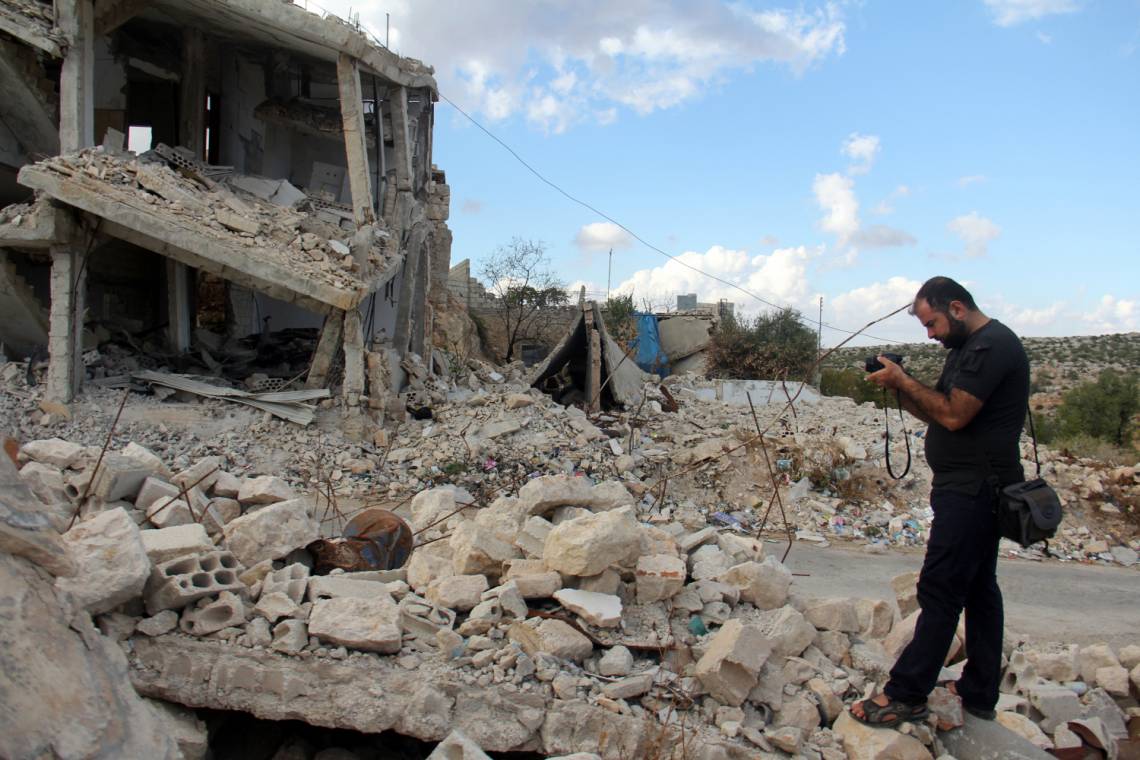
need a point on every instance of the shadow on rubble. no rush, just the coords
(241, 736)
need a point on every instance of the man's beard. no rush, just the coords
(958, 334)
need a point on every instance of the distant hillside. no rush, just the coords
(1057, 363)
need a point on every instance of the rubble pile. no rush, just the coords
(269, 218)
(565, 594)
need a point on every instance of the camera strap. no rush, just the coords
(887, 426)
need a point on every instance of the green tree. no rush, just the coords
(524, 285)
(774, 345)
(1104, 409)
(618, 312)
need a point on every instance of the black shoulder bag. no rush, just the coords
(1029, 511)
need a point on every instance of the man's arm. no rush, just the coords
(909, 404)
(953, 411)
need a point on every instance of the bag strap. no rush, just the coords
(1033, 434)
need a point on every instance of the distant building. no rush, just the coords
(721, 309)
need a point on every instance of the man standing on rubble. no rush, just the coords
(975, 413)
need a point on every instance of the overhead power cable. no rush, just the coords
(638, 237)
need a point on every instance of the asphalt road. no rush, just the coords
(1044, 601)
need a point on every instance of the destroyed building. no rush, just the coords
(283, 179)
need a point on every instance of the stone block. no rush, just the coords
(602, 610)
(458, 746)
(226, 485)
(659, 577)
(290, 636)
(291, 581)
(1058, 704)
(1093, 658)
(531, 538)
(588, 545)
(835, 644)
(56, 452)
(156, 625)
(1130, 656)
(606, 582)
(1134, 677)
(553, 637)
(146, 458)
(427, 564)
(730, 666)
(112, 565)
(617, 661)
(118, 478)
(476, 550)
(457, 592)
(835, 614)
(740, 548)
(336, 586)
(905, 587)
(876, 617)
(787, 630)
(275, 605)
(271, 532)
(46, 482)
(266, 489)
(1026, 729)
(167, 513)
(799, 712)
(178, 582)
(210, 616)
(629, 687)
(708, 562)
(168, 543)
(187, 729)
(431, 505)
(1113, 679)
(202, 474)
(419, 617)
(900, 635)
(828, 700)
(220, 510)
(371, 625)
(862, 742)
(762, 584)
(155, 489)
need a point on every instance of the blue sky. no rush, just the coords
(846, 150)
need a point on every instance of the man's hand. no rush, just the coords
(890, 376)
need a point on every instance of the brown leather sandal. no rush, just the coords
(891, 714)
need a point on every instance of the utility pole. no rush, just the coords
(819, 346)
(387, 28)
(609, 274)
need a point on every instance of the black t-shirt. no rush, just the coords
(992, 367)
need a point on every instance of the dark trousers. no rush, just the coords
(959, 572)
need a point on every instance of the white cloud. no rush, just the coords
(600, 237)
(862, 149)
(976, 231)
(1114, 315)
(561, 61)
(858, 306)
(1013, 12)
(882, 236)
(886, 205)
(779, 277)
(971, 179)
(835, 195)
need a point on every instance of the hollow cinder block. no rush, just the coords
(178, 582)
(291, 581)
(227, 611)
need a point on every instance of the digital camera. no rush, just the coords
(872, 363)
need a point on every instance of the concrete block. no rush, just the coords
(336, 586)
(427, 564)
(112, 566)
(906, 592)
(431, 505)
(1093, 658)
(457, 746)
(219, 511)
(988, 740)
(683, 336)
(147, 459)
(543, 494)
(602, 610)
(476, 550)
(276, 605)
(798, 711)
(730, 666)
(267, 489)
(1058, 704)
(56, 452)
(617, 661)
(168, 543)
(118, 478)
(787, 630)
(709, 562)
(629, 687)
(169, 514)
(1130, 656)
(588, 545)
(178, 582)
(1113, 679)
(1026, 729)
(762, 584)
(659, 577)
(458, 592)
(46, 482)
(226, 485)
(553, 637)
(531, 538)
(271, 532)
(156, 625)
(370, 625)
(290, 636)
(606, 582)
(291, 581)
(862, 742)
(155, 489)
(202, 474)
(210, 616)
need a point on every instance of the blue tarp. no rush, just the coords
(649, 355)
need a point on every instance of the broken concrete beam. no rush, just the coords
(370, 625)
(588, 545)
(683, 336)
(271, 532)
(542, 495)
(336, 586)
(56, 452)
(979, 739)
(237, 222)
(168, 543)
(112, 566)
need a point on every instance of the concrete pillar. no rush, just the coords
(401, 139)
(421, 309)
(356, 149)
(192, 93)
(326, 350)
(77, 76)
(405, 307)
(179, 320)
(65, 322)
(353, 386)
